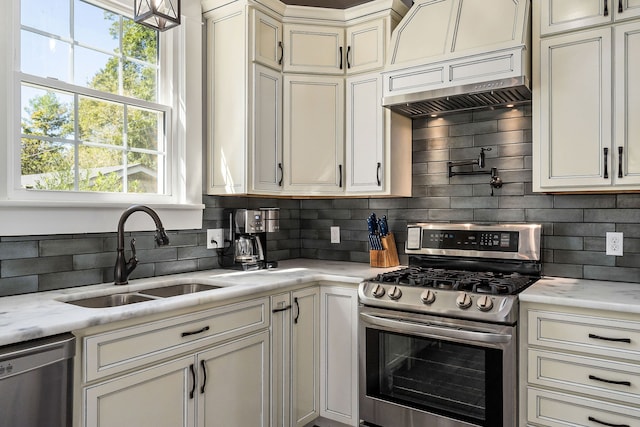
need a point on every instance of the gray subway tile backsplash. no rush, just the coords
(574, 226)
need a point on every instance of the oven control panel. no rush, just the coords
(504, 241)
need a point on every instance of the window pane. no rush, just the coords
(96, 27)
(96, 70)
(139, 80)
(46, 113)
(100, 121)
(139, 42)
(100, 169)
(47, 165)
(44, 56)
(143, 173)
(50, 16)
(143, 128)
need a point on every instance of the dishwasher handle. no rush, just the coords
(27, 356)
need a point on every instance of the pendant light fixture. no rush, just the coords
(157, 14)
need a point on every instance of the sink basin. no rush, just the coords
(175, 290)
(113, 300)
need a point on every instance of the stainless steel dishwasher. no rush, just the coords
(36, 382)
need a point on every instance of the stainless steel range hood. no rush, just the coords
(459, 55)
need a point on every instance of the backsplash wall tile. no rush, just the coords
(574, 226)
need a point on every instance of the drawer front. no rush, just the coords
(592, 335)
(123, 349)
(597, 377)
(550, 409)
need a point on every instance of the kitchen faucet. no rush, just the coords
(124, 268)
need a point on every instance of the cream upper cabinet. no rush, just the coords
(266, 40)
(585, 137)
(313, 134)
(566, 15)
(378, 149)
(366, 44)
(314, 49)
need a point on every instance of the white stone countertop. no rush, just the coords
(593, 294)
(36, 315)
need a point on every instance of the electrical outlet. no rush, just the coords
(614, 244)
(335, 234)
(215, 238)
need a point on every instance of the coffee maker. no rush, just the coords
(248, 230)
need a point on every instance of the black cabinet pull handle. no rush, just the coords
(340, 173)
(595, 420)
(277, 310)
(341, 57)
(348, 52)
(620, 9)
(378, 174)
(620, 153)
(606, 8)
(295, 301)
(193, 378)
(598, 337)
(281, 174)
(204, 376)
(281, 53)
(593, 377)
(606, 163)
(199, 331)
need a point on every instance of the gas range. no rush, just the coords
(468, 271)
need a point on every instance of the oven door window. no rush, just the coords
(455, 380)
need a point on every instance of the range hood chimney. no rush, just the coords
(459, 55)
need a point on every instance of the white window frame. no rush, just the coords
(28, 212)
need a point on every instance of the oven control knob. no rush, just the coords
(463, 300)
(378, 291)
(428, 296)
(484, 303)
(395, 293)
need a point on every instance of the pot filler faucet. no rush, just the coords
(124, 268)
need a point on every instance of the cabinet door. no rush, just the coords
(305, 356)
(365, 46)
(564, 15)
(266, 40)
(280, 360)
(227, 98)
(158, 396)
(627, 9)
(573, 112)
(266, 153)
(365, 134)
(626, 168)
(314, 49)
(233, 388)
(313, 134)
(339, 357)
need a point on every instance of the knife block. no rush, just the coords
(388, 256)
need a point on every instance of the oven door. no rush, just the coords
(422, 370)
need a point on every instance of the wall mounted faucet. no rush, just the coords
(123, 268)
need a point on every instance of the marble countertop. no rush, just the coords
(592, 294)
(37, 315)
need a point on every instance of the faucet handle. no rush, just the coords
(133, 261)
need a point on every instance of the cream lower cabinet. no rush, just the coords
(295, 357)
(579, 367)
(208, 368)
(339, 356)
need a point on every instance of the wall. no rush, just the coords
(574, 226)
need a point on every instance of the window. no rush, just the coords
(89, 86)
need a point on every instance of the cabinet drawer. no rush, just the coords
(594, 335)
(561, 410)
(597, 377)
(119, 350)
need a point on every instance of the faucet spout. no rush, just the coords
(123, 267)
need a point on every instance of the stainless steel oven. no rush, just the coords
(438, 339)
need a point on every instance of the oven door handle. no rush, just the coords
(442, 331)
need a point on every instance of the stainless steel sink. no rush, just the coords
(175, 290)
(113, 300)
